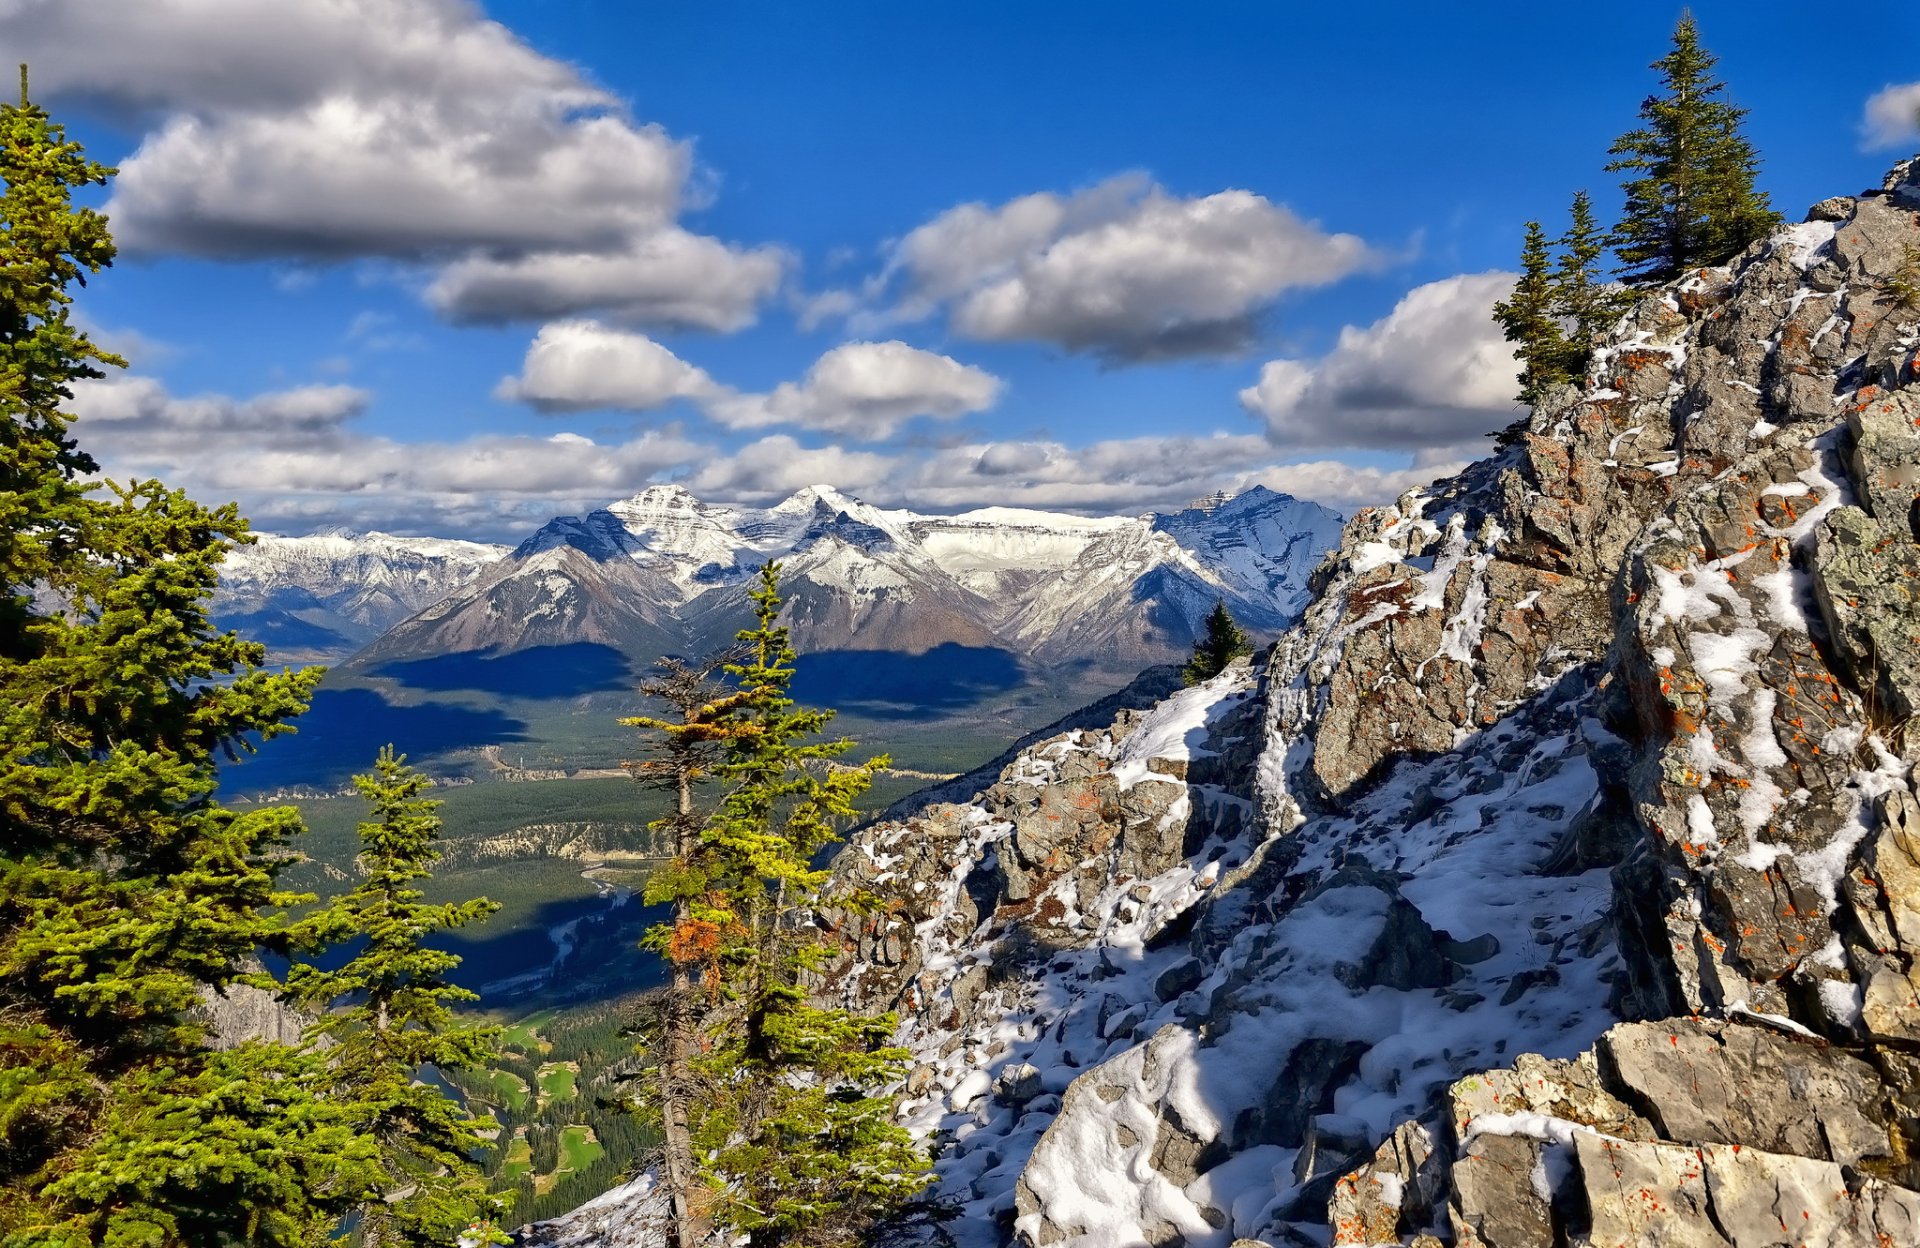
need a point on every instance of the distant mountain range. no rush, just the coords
(665, 573)
(321, 597)
(893, 610)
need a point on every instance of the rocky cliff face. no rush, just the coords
(1555, 881)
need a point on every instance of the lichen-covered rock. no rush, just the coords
(1660, 1195)
(1397, 1194)
(1704, 1082)
(1867, 580)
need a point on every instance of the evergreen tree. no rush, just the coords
(1531, 321)
(1585, 305)
(684, 750)
(1691, 199)
(126, 891)
(387, 1015)
(1222, 643)
(795, 1134)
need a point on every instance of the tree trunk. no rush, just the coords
(675, 1065)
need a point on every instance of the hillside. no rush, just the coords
(1553, 881)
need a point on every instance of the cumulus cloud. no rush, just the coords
(294, 459)
(865, 390)
(1435, 371)
(859, 390)
(1128, 474)
(1132, 475)
(1892, 116)
(667, 279)
(410, 130)
(578, 365)
(137, 415)
(777, 465)
(1123, 270)
(1348, 487)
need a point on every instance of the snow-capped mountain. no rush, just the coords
(664, 572)
(325, 595)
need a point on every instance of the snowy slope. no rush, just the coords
(324, 595)
(666, 570)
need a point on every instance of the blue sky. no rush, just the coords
(437, 267)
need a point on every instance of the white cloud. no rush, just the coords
(412, 130)
(137, 413)
(1123, 474)
(1132, 475)
(1892, 116)
(1348, 487)
(578, 365)
(1123, 270)
(668, 279)
(859, 390)
(293, 460)
(865, 390)
(1435, 371)
(777, 465)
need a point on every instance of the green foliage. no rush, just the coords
(1531, 322)
(126, 891)
(1222, 643)
(1690, 199)
(1559, 306)
(387, 1015)
(795, 1137)
(1587, 306)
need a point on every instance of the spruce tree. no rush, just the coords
(127, 892)
(1585, 305)
(1531, 321)
(386, 1017)
(1222, 643)
(795, 1132)
(1691, 199)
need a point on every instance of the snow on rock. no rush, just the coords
(323, 595)
(1556, 879)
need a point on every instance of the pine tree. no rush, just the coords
(1222, 643)
(126, 891)
(684, 751)
(795, 1134)
(1585, 305)
(1691, 200)
(1531, 322)
(387, 1015)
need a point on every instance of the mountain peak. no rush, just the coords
(809, 497)
(667, 495)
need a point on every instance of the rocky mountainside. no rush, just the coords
(1554, 881)
(664, 572)
(323, 596)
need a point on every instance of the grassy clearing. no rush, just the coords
(557, 1081)
(519, 1159)
(499, 1088)
(525, 1034)
(579, 1148)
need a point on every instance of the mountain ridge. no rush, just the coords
(665, 572)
